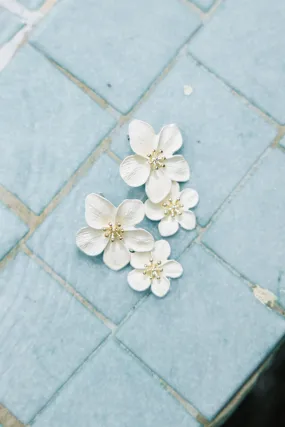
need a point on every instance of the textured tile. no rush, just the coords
(45, 335)
(9, 25)
(48, 127)
(244, 44)
(112, 389)
(222, 136)
(250, 232)
(32, 4)
(203, 4)
(282, 142)
(54, 241)
(12, 229)
(128, 53)
(200, 337)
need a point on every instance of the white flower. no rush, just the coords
(112, 230)
(154, 163)
(152, 269)
(174, 210)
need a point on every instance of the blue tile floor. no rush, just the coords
(78, 346)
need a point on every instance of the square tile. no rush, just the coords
(12, 229)
(48, 128)
(199, 338)
(45, 335)
(244, 44)
(250, 232)
(112, 389)
(54, 241)
(122, 46)
(9, 25)
(222, 136)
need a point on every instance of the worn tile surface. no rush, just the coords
(12, 229)
(121, 47)
(282, 142)
(45, 335)
(244, 44)
(203, 4)
(222, 136)
(48, 127)
(9, 25)
(54, 242)
(32, 4)
(112, 389)
(249, 234)
(200, 338)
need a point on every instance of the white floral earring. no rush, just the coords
(174, 210)
(153, 269)
(154, 162)
(112, 230)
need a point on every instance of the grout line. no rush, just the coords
(8, 419)
(213, 8)
(194, 8)
(18, 207)
(86, 89)
(87, 304)
(250, 103)
(73, 373)
(190, 409)
(114, 156)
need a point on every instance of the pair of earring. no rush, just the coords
(112, 230)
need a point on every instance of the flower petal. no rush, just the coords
(130, 213)
(138, 281)
(98, 211)
(177, 168)
(187, 220)
(135, 170)
(143, 139)
(172, 269)
(139, 259)
(161, 251)
(138, 240)
(160, 287)
(92, 242)
(116, 255)
(175, 190)
(170, 140)
(168, 226)
(158, 186)
(154, 211)
(189, 198)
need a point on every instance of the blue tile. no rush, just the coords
(12, 229)
(9, 25)
(45, 335)
(112, 389)
(48, 128)
(32, 4)
(116, 52)
(250, 232)
(244, 44)
(282, 142)
(200, 337)
(203, 4)
(54, 241)
(222, 136)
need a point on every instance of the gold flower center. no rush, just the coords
(153, 269)
(156, 159)
(114, 232)
(173, 208)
